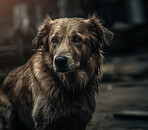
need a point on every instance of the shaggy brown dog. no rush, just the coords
(56, 88)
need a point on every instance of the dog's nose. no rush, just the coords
(60, 61)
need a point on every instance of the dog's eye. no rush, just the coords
(76, 39)
(54, 40)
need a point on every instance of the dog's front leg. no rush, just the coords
(5, 112)
(39, 125)
(37, 115)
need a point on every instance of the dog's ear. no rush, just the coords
(40, 42)
(100, 36)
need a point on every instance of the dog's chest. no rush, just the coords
(65, 109)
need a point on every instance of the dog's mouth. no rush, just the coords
(66, 70)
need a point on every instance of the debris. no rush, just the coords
(129, 114)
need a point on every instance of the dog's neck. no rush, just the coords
(83, 78)
(74, 80)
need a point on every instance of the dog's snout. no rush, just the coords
(60, 61)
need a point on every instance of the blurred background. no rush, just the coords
(123, 100)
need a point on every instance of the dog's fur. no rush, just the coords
(43, 95)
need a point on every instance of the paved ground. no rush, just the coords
(125, 88)
(117, 98)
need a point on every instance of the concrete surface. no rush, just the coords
(124, 88)
(117, 98)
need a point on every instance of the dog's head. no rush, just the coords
(70, 42)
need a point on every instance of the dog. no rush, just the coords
(55, 89)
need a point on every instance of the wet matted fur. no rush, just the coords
(56, 87)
